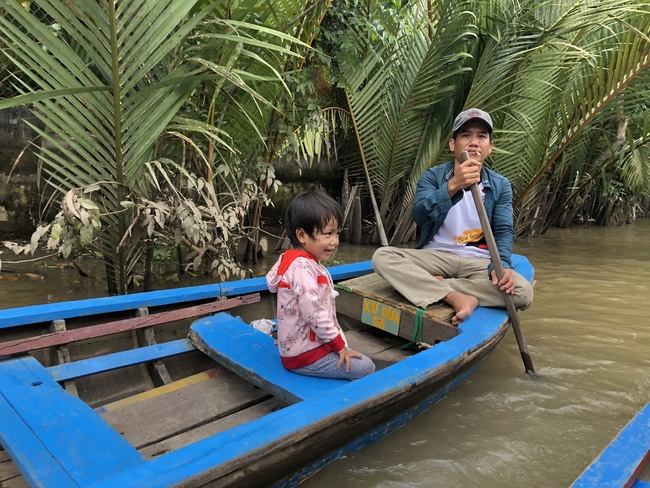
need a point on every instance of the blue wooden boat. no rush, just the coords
(625, 461)
(215, 407)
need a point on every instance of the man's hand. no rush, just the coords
(507, 283)
(465, 175)
(346, 355)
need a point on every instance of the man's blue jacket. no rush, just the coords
(432, 203)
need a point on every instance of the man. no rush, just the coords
(452, 261)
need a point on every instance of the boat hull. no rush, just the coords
(285, 446)
(289, 445)
(625, 462)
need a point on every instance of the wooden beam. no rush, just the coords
(61, 355)
(355, 293)
(116, 360)
(147, 337)
(68, 336)
(159, 414)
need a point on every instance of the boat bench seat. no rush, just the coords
(254, 356)
(54, 438)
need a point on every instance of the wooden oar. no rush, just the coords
(498, 267)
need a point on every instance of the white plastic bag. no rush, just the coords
(263, 325)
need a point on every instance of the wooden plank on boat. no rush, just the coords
(250, 285)
(68, 336)
(169, 410)
(62, 442)
(254, 356)
(373, 301)
(147, 337)
(17, 482)
(215, 427)
(34, 314)
(382, 353)
(86, 367)
(10, 477)
(366, 343)
(61, 355)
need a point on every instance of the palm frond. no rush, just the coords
(398, 106)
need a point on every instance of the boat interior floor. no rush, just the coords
(175, 415)
(10, 477)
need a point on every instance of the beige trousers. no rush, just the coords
(411, 272)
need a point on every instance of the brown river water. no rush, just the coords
(588, 334)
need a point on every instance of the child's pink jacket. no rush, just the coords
(307, 325)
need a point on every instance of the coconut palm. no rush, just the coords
(109, 83)
(101, 87)
(294, 107)
(583, 114)
(550, 74)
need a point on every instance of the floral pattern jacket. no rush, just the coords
(307, 324)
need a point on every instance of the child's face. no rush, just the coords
(325, 242)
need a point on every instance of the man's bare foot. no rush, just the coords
(463, 305)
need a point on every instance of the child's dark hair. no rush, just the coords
(311, 211)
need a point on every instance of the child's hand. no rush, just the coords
(346, 355)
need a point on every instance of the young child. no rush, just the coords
(309, 336)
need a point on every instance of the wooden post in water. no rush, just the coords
(355, 234)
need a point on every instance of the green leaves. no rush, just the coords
(403, 102)
(103, 87)
(122, 84)
(554, 76)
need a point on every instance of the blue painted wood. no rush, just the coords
(522, 266)
(617, 465)
(641, 484)
(241, 287)
(185, 463)
(253, 355)
(85, 367)
(54, 438)
(251, 285)
(94, 306)
(351, 270)
(37, 465)
(380, 432)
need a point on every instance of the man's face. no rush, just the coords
(473, 137)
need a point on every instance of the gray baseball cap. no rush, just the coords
(472, 114)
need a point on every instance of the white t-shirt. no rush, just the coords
(461, 228)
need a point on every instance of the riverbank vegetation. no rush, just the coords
(164, 120)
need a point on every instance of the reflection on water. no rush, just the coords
(588, 334)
